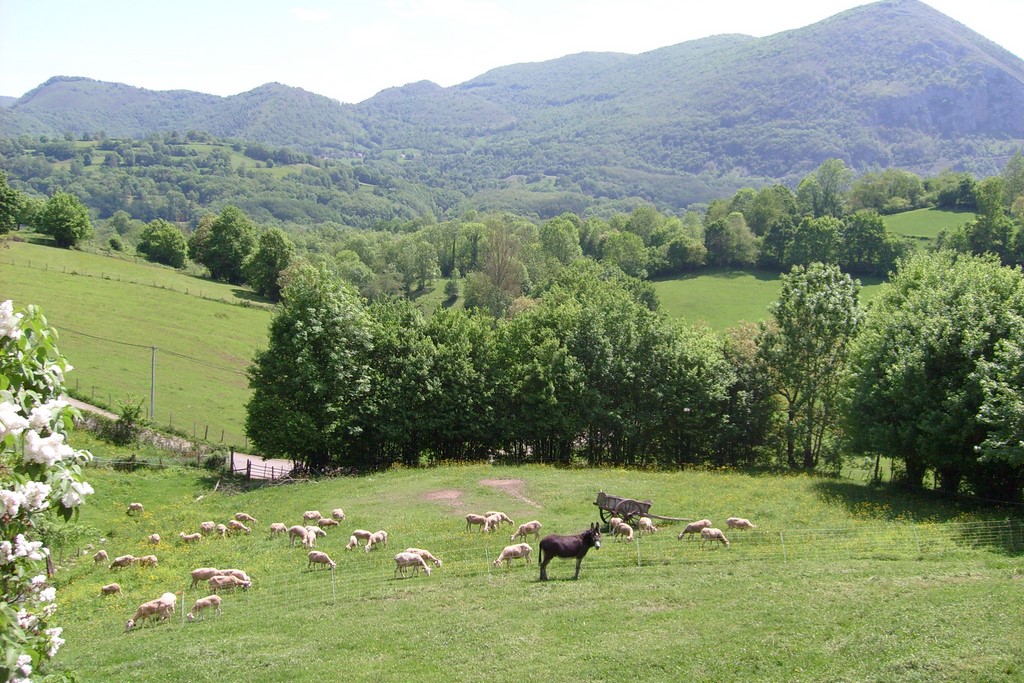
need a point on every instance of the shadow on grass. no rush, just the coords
(893, 503)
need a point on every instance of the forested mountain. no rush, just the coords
(889, 84)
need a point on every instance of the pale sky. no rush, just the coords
(350, 50)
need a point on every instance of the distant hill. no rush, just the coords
(893, 83)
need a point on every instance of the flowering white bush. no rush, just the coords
(40, 478)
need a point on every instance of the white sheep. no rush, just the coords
(739, 523)
(491, 523)
(237, 573)
(135, 507)
(624, 532)
(110, 589)
(154, 539)
(502, 515)
(101, 556)
(712, 534)
(203, 574)
(311, 515)
(376, 538)
(478, 520)
(338, 514)
(122, 561)
(525, 530)
(511, 552)
(614, 522)
(352, 543)
(425, 554)
(244, 517)
(148, 610)
(218, 583)
(694, 528)
(404, 560)
(189, 538)
(646, 524)
(316, 531)
(235, 525)
(299, 532)
(222, 530)
(278, 528)
(317, 557)
(146, 561)
(207, 528)
(362, 534)
(326, 521)
(204, 603)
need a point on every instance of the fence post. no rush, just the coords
(232, 460)
(248, 469)
(783, 541)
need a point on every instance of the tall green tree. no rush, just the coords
(805, 346)
(231, 239)
(10, 205)
(162, 242)
(823, 191)
(274, 254)
(66, 219)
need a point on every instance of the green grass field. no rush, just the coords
(924, 225)
(839, 582)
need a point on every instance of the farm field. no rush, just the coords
(839, 582)
(924, 225)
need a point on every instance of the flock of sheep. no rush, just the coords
(314, 525)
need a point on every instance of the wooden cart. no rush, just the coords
(627, 508)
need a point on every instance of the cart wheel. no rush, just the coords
(605, 515)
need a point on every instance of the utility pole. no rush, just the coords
(152, 384)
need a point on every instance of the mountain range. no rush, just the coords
(889, 84)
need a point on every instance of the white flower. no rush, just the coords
(25, 620)
(38, 580)
(33, 550)
(12, 502)
(75, 496)
(11, 420)
(55, 640)
(24, 664)
(10, 322)
(48, 594)
(46, 450)
(36, 495)
(5, 552)
(42, 416)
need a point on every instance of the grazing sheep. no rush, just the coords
(525, 530)
(134, 507)
(218, 583)
(222, 530)
(317, 557)
(362, 534)
(479, 520)
(510, 552)
(278, 528)
(204, 603)
(101, 556)
(146, 561)
(110, 589)
(326, 521)
(235, 525)
(646, 524)
(299, 532)
(203, 574)
(352, 543)
(614, 522)
(739, 523)
(122, 561)
(154, 539)
(403, 560)
(207, 528)
(624, 532)
(315, 531)
(491, 523)
(243, 517)
(502, 515)
(169, 599)
(189, 538)
(712, 534)
(237, 573)
(694, 528)
(148, 610)
(376, 538)
(338, 514)
(311, 515)
(425, 554)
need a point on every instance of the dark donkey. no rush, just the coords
(568, 546)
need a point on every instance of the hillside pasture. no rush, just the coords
(839, 582)
(924, 225)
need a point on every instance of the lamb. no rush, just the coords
(362, 534)
(146, 561)
(491, 523)
(100, 556)
(352, 543)
(299, 532)
(614, 522)
(237, 573)
(646, 524)
(218, 583)
(311, 515)
(203, 574)
(135, 507)
(317, 557)
(525, 530)
(169, 599)
(479, 520)
(222, 530)
(202, 604)
(315, 531)
(503, 517)
(243, 517)
(190, 538)
(326, 521)
(376, 538)
(278, 528)
(153, 608)
(122, 561)
(425, 554)
(510, 552)
(207, 528)
(694, 528)
(739, 523)
(624, 532)
(403, 560)
(110, 589)
(712, 534)
(235, 525)
(154, 539)
(338, 514)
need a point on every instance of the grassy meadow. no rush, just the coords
(839, 582)
(924, 225)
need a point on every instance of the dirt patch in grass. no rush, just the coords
(446, 496)
(513, 487)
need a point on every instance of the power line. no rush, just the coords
(200, 361)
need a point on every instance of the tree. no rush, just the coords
(730, 242)
(163, 243)
(866, 247)
(805, 347)
(626, 250)
(310, 386)
(823, 191)
(930, 342)
(65, 219)
(10, 205)
(271, 258)
(232, 238)
(560, 239)
(814, 240)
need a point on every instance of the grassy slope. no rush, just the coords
(830, 609)
(924, 225)
(87, 296)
